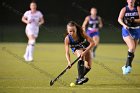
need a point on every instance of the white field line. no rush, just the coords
(70, 88)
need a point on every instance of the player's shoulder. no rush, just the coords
(98, 17)
(28, 11)
(39, 12)
(66, 38)
(87, 17)
(124, 8)
(138, 7)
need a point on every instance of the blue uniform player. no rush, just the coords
(91, 25)
(129, 18)
(80, 44)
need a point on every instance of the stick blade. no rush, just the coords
(51, 83)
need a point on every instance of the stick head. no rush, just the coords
(51, 83)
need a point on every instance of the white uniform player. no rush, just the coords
(33, 27)
(33, 18)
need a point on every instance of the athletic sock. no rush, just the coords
(94, 49)
(129, 59)
(27, 51)
(31, 50)
(80, 67)
(86, 70)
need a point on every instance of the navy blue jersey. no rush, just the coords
(93, 23)
(80, 43)
(131, 14)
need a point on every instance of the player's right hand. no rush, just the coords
(126, 27)
(29, 22)
(69, 65)
(130, 20)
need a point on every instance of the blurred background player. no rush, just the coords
(33, 18)
(92, 24)
(130, 17)
(81, 44)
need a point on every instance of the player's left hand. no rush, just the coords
(69, 65)
(130, 20)
(126, 27)
(83, 54)
(39, 24)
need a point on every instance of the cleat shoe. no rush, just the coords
(85, 79)
(25, 58)
(124, 70)
(79, 82)
(30, 59)
(128, 69)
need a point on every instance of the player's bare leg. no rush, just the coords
(131, 43)
(96, 39)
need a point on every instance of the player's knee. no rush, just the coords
(97, 43)
(32, 42)
(87, 64)
(131, 49)
(131, 54)
(80, 63)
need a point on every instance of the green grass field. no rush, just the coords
(17, 76)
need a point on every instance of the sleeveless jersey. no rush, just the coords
(80, 43)
(131, 14)
(93, 23)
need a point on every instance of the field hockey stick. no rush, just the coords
(52, 81)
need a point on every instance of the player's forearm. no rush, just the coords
(137, 20)
(100, 26)
(90, 46)
(41, 22)
(25, 21)
(101, 23)
(68, 57)
(84, 27)
(121, 22)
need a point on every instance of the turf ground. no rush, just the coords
(17, 76)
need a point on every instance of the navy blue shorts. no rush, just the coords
(135, 33)
(92, 34)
